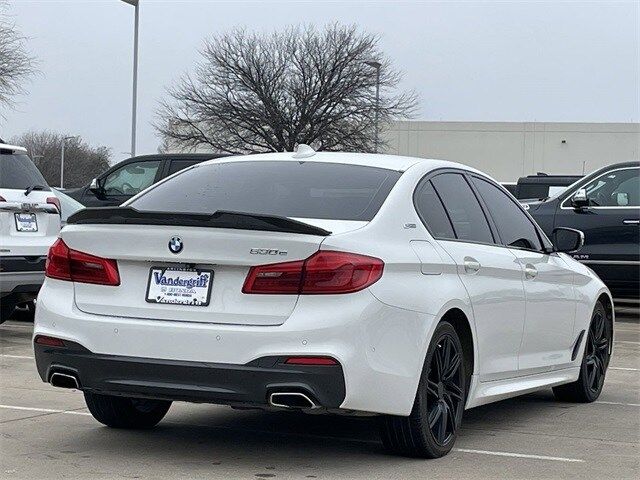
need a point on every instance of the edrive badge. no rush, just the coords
(175, 245)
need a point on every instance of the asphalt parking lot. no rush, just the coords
(47, 432)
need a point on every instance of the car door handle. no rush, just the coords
(530, 272)
(631, 222)
(471, 265)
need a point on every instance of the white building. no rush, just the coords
(509, 150)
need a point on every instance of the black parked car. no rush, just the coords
(130, 177)
(539, 186)
(606, 207)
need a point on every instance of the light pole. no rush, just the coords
(135, 4)
(377, 66)
(64, 141)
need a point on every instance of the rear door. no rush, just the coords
(611, 224)
(491, 274)
(548, 284)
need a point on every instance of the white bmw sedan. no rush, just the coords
(345, 283)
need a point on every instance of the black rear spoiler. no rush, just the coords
(219, 219)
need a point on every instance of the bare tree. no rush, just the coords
(82, 162)
(257, 92)
(16, 64)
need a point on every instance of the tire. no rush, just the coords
(125, 412)
(5, 312)
(440, 398)
(594, 362)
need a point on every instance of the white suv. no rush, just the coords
(29, 224)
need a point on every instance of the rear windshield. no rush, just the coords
(288, 189)
(18, 171)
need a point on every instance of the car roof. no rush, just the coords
(548, 179)
(389, 162)
(15, 148)
(177, 156)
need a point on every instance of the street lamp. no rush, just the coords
(135, 5)
(377, 65)
(64, 141)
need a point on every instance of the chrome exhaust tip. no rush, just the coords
(64, 380)
(291, 400)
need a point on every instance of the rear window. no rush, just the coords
(288, 189)
(18, 171)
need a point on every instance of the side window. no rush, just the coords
(620, 188)
(515, 228)
(467, 217)
(177, 165)
(131, 179)
(432, 212)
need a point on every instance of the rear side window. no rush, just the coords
(515, 228)
(432, 211)
(177, 165)
(283, 188)
(467, 217)
(18, 171)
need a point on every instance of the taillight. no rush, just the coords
(275, 278)
(324, 272)
(55, 201)
(64, 263)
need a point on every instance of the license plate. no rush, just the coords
(179, 286)
(26, 222)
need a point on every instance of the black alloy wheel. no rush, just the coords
(445, 390)
(431, 429)
(597, 353)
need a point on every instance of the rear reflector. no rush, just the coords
(64, 263)
(324, 272)
(49, 341)
(311, 361)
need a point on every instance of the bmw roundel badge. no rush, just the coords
(175, 245)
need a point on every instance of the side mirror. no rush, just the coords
(579, 199)
(567, 240)
(96, 188)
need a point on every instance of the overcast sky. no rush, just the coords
(482, 61)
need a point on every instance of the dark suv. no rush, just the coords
(130, 177)
(539, 186)
(605, 205)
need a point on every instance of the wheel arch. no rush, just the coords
(461, 324)
(607, 301)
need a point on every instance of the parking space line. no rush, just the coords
(626, 369)
(43, 410)
(518, 455)
(327, 437)
(619, 403)
(16, 356)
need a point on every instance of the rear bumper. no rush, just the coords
(246, 385)
(380, 348)
(21, 276)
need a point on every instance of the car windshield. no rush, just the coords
(17, 171)
(283, 188)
